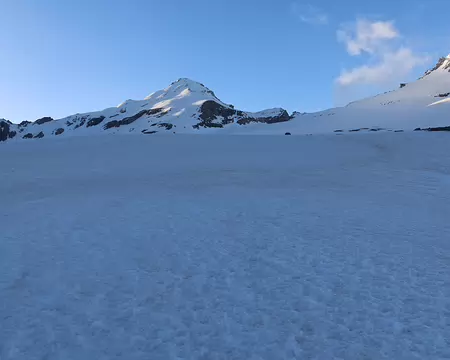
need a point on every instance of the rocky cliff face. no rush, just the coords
(6, 131)
(214, 114)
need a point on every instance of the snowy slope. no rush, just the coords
(223, 247)
(432, 87)
(187, 106)
(424, 103)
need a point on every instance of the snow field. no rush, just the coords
(222, 247)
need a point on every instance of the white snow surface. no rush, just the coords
(226, 247)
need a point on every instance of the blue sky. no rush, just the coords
(62, 57)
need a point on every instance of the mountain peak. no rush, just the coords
(186, 82)
(446, 63)
(442, 64)
(191, 85)
(180, 88)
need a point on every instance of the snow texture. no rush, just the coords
(226, 247)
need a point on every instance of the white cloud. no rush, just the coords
(309, 14)
(391, 67)
(388, 61)
(366, 36)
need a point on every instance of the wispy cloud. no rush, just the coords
(366, 36)
(309, 14)
(388, 60)
(392, 66)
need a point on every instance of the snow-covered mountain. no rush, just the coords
(187, 106)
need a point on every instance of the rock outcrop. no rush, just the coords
(215, 115)
(95, 121)
(132, 119)
(271, 119)
(43, 120)
(4, 130)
